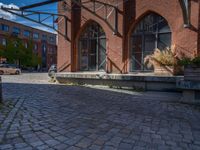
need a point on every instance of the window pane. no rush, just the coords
(35, 35)
(84, 54)
(16, 30)
(150, 42)
(44, 37)
(4, 27)
(52, 39)
(35, 46)
(26, 45)
(163, 26)
(4, 42)
(26, 33)
(164, 40)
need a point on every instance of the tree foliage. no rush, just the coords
(16, 52)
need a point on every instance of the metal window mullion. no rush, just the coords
(156, 42)
(143, 47)
(97, 51)
(88, 53)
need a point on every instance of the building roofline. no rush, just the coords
(27, 26)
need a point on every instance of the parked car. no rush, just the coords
(9, 69)
(52, 70)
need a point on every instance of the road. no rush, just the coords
(41, 115)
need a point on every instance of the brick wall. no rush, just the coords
(118, 46)
(22, 28)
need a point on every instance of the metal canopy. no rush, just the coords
(96, 6)
(24, 10)
(40, 18)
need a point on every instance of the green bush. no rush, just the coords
(188, 61)
(196, 61)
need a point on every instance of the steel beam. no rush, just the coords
(22, 13)
(39, 4)
(80, 4)
(105, 19)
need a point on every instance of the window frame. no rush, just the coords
(3, 27)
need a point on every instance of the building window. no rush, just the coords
(15, 43)
(35, 47)
(92, 48)
(50, 50)
(44, 37)
(27, 33)
(4, 42)
(150, 33)
(35, 35)
(26, 45)
(4, 27)
(44, 48)
(16, 30)
(51, 39)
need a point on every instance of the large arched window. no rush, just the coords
(151, 32)
(92, 48)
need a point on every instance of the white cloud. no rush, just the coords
(7, 15)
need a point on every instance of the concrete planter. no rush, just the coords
(192, 73)
(167, 70)
(1, 97)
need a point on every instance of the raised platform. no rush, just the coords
(191, 91)
(137, 81)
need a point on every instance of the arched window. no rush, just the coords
(92, 48)
(151, 32)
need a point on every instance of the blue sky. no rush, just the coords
(48, 8)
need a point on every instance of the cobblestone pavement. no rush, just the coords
(51, 116)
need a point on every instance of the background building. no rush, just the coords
(44, 43)
(116, 37)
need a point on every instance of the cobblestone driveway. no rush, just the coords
(49, 116)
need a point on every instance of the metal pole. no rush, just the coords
(1, 97)
(116, 22)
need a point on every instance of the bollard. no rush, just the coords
(1, 97)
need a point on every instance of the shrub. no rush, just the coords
(196, 61)
(188, 61)
(166, 57)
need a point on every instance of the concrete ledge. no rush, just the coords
(191, 91)
(140, 81)
(188, 85)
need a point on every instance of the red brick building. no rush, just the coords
(44, 43)
(99, 39)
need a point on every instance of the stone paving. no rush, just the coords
(52, 116)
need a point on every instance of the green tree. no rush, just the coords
(16, 52)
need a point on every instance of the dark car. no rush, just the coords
(52, 70)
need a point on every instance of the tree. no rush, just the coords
(16, 52)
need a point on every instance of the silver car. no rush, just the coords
(9, 69)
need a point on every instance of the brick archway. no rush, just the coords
(150, 31)
(91, 47)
